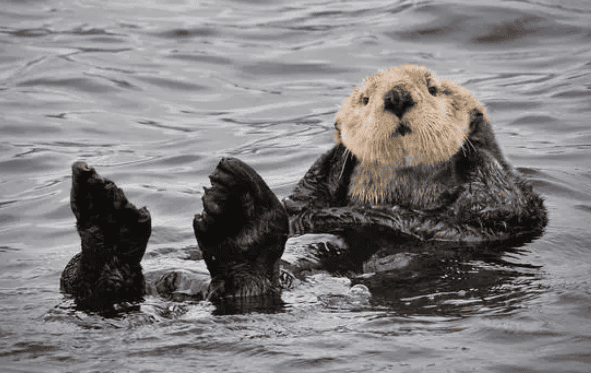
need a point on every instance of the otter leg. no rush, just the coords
(241, 231)
(114, 235)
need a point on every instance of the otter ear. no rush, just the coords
(477, 121)
(482, 137)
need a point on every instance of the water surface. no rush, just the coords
(152, 94)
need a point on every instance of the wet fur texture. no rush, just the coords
(114, 235)
(241, 231)
(442, 177)
(415, 159)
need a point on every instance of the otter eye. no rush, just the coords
(433, 91)
(365, 100)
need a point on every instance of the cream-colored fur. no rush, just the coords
(439, 123)
(439, 127)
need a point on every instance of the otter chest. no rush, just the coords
(413, 187)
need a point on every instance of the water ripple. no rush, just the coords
(152, 94)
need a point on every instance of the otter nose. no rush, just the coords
(398, 101)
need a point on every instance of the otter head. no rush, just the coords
(406, 117)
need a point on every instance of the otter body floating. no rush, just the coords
(415, 158)
(415, 153)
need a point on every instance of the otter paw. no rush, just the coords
(237, 195)
(114, 235)
(107, 222)
(241, 231)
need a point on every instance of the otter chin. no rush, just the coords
(415, 160)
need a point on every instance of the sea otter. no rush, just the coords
(415, 159)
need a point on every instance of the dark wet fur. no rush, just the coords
(241, 232)
(114, 235)
(481, 198)
(243, 227)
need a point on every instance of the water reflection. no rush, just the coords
(157, 92)
(409, 277)
(267, 304)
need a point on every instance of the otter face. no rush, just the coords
(405, 117)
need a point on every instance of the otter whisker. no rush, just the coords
(346, 156)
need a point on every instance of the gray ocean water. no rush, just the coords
(153, 94)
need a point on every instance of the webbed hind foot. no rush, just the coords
(241, 231)
(114, 236)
